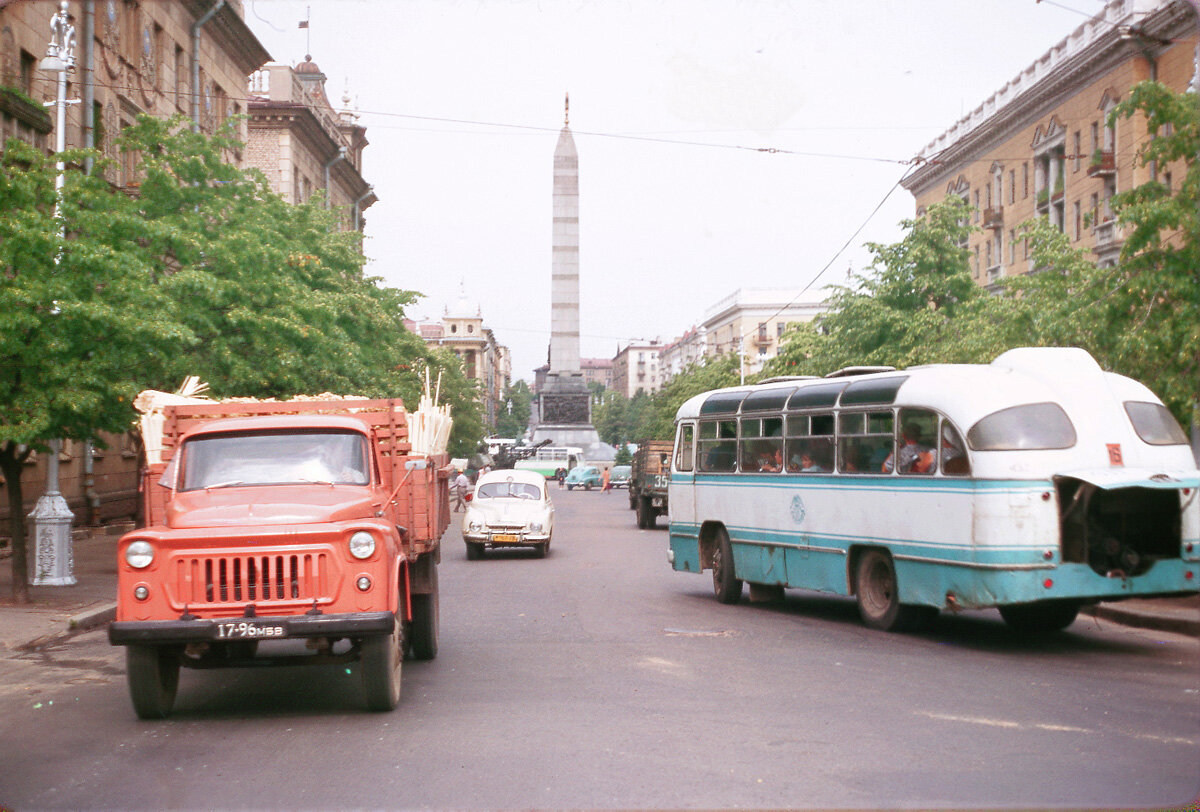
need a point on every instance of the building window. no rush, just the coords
(975, 216)
(1078, 220)
(28, 69)
(1078, 148)
(1012, 186)
(1025, 180)
(1095, 136)
(1012, 247)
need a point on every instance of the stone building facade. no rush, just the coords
(485, 361)
(751, 321)
(1041, 145)
(303, 145)
(635, 368)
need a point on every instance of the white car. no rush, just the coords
(510, 508)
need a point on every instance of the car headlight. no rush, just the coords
(535, 527)
(139, 554)
(362, 545)
(474, 527)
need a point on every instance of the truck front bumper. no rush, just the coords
(234, 629)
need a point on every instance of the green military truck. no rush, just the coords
(648, 482)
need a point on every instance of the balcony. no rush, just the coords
(1104, 164)
(993, 217)
(1108, 238)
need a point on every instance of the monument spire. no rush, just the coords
(567, 110)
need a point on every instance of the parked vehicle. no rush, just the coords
(584, 476)
(620, 475)
(267, 521)
(1036, 484)
(649, 476)
(511, 508)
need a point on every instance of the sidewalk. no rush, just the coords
(59, 610)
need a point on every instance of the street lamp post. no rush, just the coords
(53, 561)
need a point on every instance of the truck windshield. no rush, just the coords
(274, 458)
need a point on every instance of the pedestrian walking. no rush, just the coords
(461, 486)
(605, 481)
(561, 475)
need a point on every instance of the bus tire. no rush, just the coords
(878, 596)
(726, 585)
(426, 622)
(153, 676)
(382, 658)
(1040, 617)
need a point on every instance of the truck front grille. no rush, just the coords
(236, 579)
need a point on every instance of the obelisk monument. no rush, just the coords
(563, 414)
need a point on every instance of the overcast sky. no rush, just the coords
(671, 103)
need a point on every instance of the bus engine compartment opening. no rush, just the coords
(1119, 532)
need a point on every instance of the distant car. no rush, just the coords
(510, 508)
(583, 476)
(620, 475)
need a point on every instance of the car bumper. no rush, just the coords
(506, 539)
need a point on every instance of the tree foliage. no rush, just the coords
(514, 422)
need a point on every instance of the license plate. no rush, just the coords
(502, 537)
(248, 630)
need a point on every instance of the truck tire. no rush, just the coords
(153, 676)
(426, 621)
(633, 498)
(382, 657)
(645, 513)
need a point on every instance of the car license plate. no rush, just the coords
(505, 537)
(248, 630)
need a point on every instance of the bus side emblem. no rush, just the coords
(797, 509)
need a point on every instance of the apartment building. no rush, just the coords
(752, 321)
(635, 368)
(1042, 146)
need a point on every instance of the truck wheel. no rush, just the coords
(425, 622)
(633, 499)
(645, 513)
(153, 675)
(474, 551)
(726, 586)
(381, 661)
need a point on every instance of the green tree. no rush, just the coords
(1154, 308)
(711, 373)
(610, 416)
(80, 328)
(515, 421)
(624, 455)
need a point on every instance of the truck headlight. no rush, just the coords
(139, 554)
(362, 545)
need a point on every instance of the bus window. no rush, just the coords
(954, 452)
(915, 450)
(717, 445)
(762, 444)
(683, 446)
(1035, 427)
(810, 443)
(864, 441)
(1154, 423)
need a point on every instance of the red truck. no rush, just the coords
(304, 521)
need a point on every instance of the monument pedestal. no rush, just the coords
(564, 412)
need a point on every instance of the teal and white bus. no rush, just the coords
(548, 459)
(1036, 484)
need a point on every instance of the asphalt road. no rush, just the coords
(599, 678)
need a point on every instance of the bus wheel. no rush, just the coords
(726, 586)
(879, 597)
(382, 658)
(1042, 617)
(153, 675)
(425, 622)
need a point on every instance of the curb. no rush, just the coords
(1145, 620)
(90, 619)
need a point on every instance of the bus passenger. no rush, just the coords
(915, 457)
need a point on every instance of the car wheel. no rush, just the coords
(474, 551)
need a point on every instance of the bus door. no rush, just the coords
(681, 496)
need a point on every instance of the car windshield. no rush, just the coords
(508, 490)
(274, 458)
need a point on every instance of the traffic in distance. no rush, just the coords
(1036, 484)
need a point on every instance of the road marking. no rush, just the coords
(698, 632)
(1011, 725)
